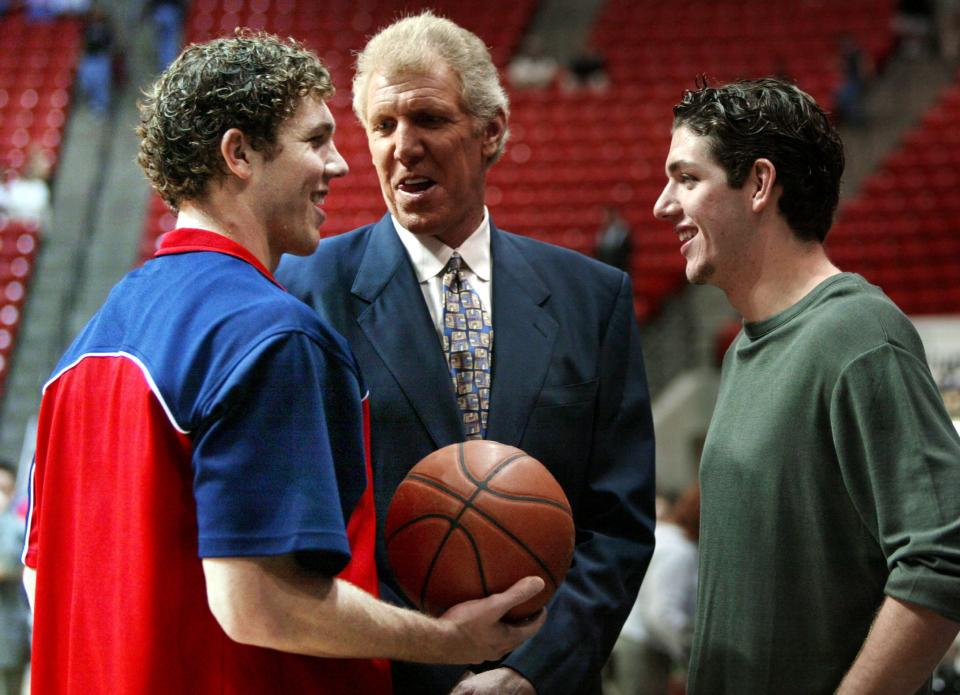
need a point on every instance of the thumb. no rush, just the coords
(523, 590)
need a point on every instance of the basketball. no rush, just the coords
(471, 519)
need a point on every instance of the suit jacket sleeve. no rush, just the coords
(614, 513)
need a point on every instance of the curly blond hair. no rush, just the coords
(252, 81)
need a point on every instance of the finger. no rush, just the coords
(523, 590)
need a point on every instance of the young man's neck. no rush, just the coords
(207, 216)
(788, 271)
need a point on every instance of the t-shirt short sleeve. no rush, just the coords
(265, 479)
(900, 458)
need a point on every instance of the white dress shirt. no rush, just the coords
(429, 257)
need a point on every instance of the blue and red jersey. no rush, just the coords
(202, 412)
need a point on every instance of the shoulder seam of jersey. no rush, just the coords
(143, 368)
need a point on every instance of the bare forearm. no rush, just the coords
(272, 602)
(351, 623)
(905, 644)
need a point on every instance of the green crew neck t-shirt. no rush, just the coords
(830, 478)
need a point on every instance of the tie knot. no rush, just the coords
(453, 271)
(454, 265)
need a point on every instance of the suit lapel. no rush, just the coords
(523, 338)
(398, 326)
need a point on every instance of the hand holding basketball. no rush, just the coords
(479, 625)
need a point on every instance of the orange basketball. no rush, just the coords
(471, 519)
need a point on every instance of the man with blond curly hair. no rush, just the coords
(201, 514)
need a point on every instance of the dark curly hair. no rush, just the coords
(252, 81)
(772, 119)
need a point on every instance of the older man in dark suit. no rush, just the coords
(466, 331)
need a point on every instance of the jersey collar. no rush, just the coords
(188, 240)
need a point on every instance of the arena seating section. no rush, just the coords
(37, 67)
(902, 232)
(572, 153)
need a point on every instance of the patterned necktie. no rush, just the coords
(468, 345)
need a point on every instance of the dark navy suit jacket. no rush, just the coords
(568, 388)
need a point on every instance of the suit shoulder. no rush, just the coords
(551, 257)
(345, 243)
(337, 245)
(335, 256)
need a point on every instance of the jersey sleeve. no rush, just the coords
(900, 459)
(265, 474)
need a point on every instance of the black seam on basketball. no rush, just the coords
(503, 495)
(436, 484)
(492, 472)
(503, 464)
(482, 484)
(476, 555)
(523, 546)
(455, 523)
(433, 562)
(411, 522)
(454, 526)
(537, 500)
(461, 461)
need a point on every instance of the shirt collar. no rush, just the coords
(429, 255)
(187, 240)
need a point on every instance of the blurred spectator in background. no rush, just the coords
(947, 376)
(532, 68)
(913, 26)
(167, 19)
(14, 611)
(655, 641)
(613, 240)
(27, 196)
(946, 679)
(40, 10)
(948, 29)
(587, 70)
(6, 176)
(854, 72)
(95, 71)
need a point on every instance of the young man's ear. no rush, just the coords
(762, 178)
(235, 150)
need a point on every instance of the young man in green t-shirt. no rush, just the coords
(830, 538)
